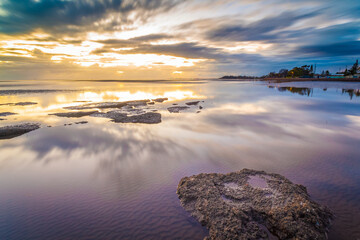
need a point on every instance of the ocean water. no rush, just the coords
(106, 180)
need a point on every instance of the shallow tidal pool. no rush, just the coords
(106, 180)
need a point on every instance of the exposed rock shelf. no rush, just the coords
(12, 131)
(253, 204)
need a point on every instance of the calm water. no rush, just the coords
(105, 180)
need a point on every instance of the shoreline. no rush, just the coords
(279, 80)
(312, 79)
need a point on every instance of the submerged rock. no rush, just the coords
(74, 114)
(12, 131)
(177, 109)
(192, 103)
(104, 105)
(253, 204)
(120, 117)
(19, 104)
(5, 114)
(25, 103)
(82, 122)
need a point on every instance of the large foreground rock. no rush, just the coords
(12, 131)
(253, 204)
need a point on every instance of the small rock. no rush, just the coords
(12, 131)
(192, 103)
(177, 109)
(151, 103)
(253, 204)
(160, 100)
(200, 107)
(82, 122)
(19, 104)
(25, 103)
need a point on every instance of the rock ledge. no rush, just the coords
(12, 131)
(253, 204)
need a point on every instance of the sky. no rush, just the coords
(169, 39)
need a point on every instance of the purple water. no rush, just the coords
(105, 180)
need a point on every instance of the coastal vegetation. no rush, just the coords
(305, 71)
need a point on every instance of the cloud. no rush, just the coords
(72, 16)
(350, 48)
(261, 30)
(129, 43)
(228, 36)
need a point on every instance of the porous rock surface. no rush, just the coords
(12, 131)
(253, 204)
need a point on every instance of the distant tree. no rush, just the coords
(303, 71)
(323, 73)
(355, 68)
(283, 73)
(273, 74)
(327, 73)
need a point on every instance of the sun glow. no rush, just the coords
(138, 95)
(82, 54)
(249, 47)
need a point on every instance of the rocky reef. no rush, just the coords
(134, 111)
(253, 204)
(12, 131)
